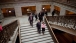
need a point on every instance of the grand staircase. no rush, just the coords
(29, 34)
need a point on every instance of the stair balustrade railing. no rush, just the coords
(51, 31)
(19, 32)
(8, 31)
(64, 21)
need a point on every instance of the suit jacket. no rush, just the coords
(38, 25)
(31, 18)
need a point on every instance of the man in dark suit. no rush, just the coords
(38, 25)
(41, 14)
(40, 17)
(31, 19)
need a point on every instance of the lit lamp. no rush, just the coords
(43, 8)
(9, 11)
(28, 9)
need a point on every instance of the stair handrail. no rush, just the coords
(19, 31)
(51, 30)
(8, 31)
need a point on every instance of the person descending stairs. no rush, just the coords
(29, 34)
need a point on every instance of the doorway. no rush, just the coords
(28, 9)
(8, 12)
(46, 7)
(57, 10)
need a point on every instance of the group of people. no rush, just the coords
(40, 24)
(37, 16)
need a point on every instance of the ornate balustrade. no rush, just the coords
(71, 3)
(7, 32)
(64, 21)
(51, 31)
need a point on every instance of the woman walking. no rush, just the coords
(43, 27)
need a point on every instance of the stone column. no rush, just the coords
(52, 7)
(18, 11)
(62, 11)
(38, 8)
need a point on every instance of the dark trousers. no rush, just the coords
(39, 30)
(31, 23)
(43, 30)
(46, 14)
(41, 19)
(36, 17)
